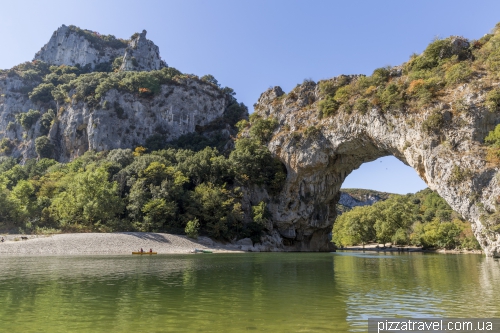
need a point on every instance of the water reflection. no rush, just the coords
(417, 285)
(293, 292)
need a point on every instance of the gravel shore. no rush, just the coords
(106, 243)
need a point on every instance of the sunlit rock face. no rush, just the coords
(72, 46)
(142, 55)
(119, 119)
(123, 120)
(320, 153)
(348, 201)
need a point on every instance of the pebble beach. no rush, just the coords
(106, 243)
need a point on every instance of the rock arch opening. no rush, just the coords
(385, 174)
(320, 152)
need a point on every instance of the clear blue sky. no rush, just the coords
(251, 45)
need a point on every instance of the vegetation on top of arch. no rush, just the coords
(421, 81)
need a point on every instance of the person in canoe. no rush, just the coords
(150, 250)
(142, 251)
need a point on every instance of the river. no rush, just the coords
(261, 292)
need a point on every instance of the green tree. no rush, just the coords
(157, 213)
(7, 208)
(396, 213)
(88, 201)
(42, 93)
(192, 228)
(206, 165)
(252, 161)
(218, 211)
(355, 227)
(28, 119)
(43, 147)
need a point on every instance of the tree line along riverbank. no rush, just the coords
(422, 219)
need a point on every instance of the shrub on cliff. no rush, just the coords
(43, 147)
(458, 73)
(99, 41)
(493, 100)
(262, 129)
(380, 76)
(28, 119)
(493, 141)
(391, 97)
(30, 71)
(42, 93)
(210, 79)
(328, 106)
(46, 121)
(362, 105)
(6, 146)
(433, 123)
(493, 137)
(430, 58)
(424, 90)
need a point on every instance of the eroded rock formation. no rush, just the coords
(320, 153)
(119, 118)
(72, 46)
(122, 120)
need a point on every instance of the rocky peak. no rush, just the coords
(142, 55)
(71, 46)
(458, 44)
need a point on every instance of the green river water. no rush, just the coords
(261, 292)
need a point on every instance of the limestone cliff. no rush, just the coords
(141, 54)
(72, 46)
(328, 129)
(80, 104)
(451, 163)
(350, 198)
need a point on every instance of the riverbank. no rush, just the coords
(162, 243)
(108, 243)
(380, 248)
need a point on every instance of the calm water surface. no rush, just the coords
(263, 292)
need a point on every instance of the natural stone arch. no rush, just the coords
(320, 153)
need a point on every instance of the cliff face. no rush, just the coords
(159, 102)
(142, 55)
(121, 120)
(320, 153)
(124, 121)
(350, 198)
(71, 46)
